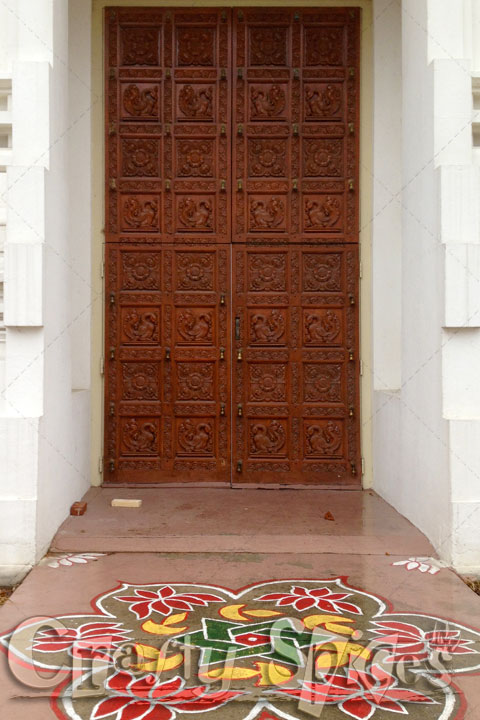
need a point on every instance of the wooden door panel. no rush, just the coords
(198, 153)
(231, 131)
(167, 389)
(296, 365)
(167, 350)
(167, 125)
(295, 125)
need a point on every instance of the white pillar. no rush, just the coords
(44, 415)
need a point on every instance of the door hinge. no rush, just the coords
(100, 465)
(361, 367)
(102, 365)
(362, 465)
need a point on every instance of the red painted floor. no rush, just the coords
(223, 520)
(363, 636)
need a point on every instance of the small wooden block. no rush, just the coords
(126, 502)
(78, 508)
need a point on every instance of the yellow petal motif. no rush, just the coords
(229, 673)
(236, 612)
(336, 653)
(272, 674)
(333, 623)
(164, 627)
(154, 660)
(232, 612)
(262, 613)
(268, 673)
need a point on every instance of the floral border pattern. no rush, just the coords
(279, 650)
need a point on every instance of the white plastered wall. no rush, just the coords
(44, 413)
(427, 347)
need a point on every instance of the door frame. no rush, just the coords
(98, 212)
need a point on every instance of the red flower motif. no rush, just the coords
(359, 694)
(408, 642)
(323, 598)
(149, 699)
(144, 602)
(84, 641)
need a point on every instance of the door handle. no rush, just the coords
(239, 410)
(239, 354)
(222, 353)
(222, 409)
(167, 353)
(222, 299)
(237, 328)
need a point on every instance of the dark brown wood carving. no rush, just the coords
(231, 334)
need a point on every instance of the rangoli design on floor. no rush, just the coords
(282, 650)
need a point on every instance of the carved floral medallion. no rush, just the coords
(194, 381)
(323, 158)
(267, 271)
(141, 271)
(195, 158)
(140, 381)
(140, 158)
(268, 45)
(195, 46)
(267, 382)
(322, 272)
(322, 383)
(324, 46)
(194, 270)
(140, 46)
(267, 158)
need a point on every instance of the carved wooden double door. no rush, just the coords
(231, 325)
